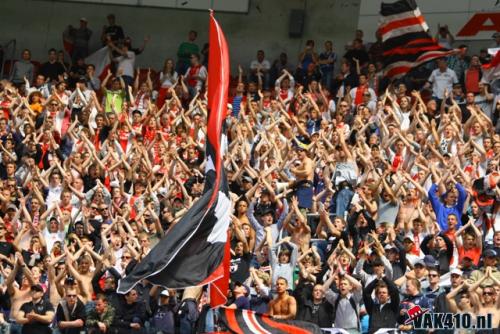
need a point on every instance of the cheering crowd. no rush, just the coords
(355, 197)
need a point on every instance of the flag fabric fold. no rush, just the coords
(405, 38)
(491, 71)
(249, 322)
(100, 59)
(191, 253)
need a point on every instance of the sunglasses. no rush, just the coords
(71, 296)
(126, 257)
(433, 275)
(485, 293)
(2, 228)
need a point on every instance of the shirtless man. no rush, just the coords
(304, 173)
(283, 306)
(490, 304)
(19, 295)
(299, 230)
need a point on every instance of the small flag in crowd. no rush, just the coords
(191, 253)
(249, 322)
(405, 38)
(491, 71)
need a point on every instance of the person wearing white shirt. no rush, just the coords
(53, 232)
(260, 65)
(441, 79)
(126, 62)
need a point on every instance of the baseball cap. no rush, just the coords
(266, 211)
(247, 179)
(430, 261)
(419, 262)
(490, 253)
(456, 271)
(409, 236)
(390, 247)
(83, 19)
(164, 293)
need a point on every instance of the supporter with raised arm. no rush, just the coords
(385, 312)
(452, 202)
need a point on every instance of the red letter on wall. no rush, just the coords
(477, 24)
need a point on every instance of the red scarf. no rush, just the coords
(358, 99)
(45, 148)
(193, 71)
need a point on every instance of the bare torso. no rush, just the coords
(18, 299)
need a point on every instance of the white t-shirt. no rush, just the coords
(441, 81)
(52, 238)
(265, 65)
(168, 80)
(126, 64)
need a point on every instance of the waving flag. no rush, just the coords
(191, 253)
(249, 322)
(405, 39)
(491, 71)
(100, 59)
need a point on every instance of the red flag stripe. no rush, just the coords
(407, 50)
(220, 286)
(284, 327)
(419, 20)
(401, 68)
(218, 83)
(232, 322)
(252, 323)
(494, 62)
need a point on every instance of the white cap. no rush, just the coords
(164, 293)
(456, 271)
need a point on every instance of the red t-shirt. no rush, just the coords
(474, 254)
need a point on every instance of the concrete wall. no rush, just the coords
(38, 25)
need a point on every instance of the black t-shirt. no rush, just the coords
(76, 312)
(52, 70)
(239, 267)
(115, 32)
(6, 248)
(42, 307)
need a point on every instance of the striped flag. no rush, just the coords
(249, 322)
(191, 253)
(405, 39)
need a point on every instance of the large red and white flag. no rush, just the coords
(100, 59)
(405, 38)
(192, 252)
